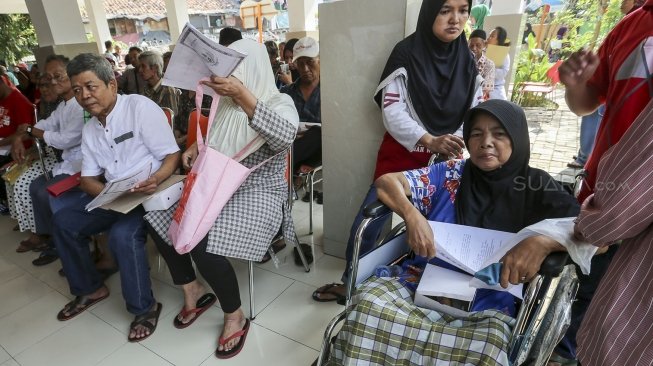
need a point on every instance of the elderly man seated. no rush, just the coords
(124, 134)
(63, 131)
(151, 70)
(305, 92)
(131, 82)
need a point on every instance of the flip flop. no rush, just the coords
(326, 290)
(223, 355)
(144, 320)
(78, 306)
(277, 245)
(203, 304)
(26, 245)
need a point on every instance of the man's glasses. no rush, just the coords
(58, 78)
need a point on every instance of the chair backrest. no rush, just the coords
(553, 74)
(192, 127)
(170, 115)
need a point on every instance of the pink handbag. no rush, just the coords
(212, 181)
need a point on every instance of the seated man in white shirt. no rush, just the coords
(125, 133)
(63, 131)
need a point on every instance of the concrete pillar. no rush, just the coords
(177, 11)
(59, 28)
(302, 19)
(510, 15)
(97, 18)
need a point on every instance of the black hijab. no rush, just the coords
(441, 76)
(515, 195)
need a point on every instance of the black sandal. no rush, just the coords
(278, 244)
(144, 321)
(77, 306)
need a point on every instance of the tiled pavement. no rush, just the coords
(554, 138)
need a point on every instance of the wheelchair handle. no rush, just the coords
(554, 263)
(376, 209)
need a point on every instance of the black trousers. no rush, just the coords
(216, 270)
(308, 148)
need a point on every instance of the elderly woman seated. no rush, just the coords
(494, 189)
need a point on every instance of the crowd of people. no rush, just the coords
(439, 95)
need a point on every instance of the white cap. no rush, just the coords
(305, 47)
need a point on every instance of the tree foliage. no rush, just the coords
(17, 37)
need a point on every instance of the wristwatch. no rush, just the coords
(29, 131)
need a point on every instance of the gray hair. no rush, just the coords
(152, 58)
(91, 62)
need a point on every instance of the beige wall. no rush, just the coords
(356, 38)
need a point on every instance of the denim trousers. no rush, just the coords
(589, 125)
(72, 227)
(42, 202)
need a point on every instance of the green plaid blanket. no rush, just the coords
(386, 328)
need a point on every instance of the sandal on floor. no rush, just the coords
(203, 304)
(78, 306)
(238, 347)
(144, 321)
(26, 245)
(278, 244)
(328, 290)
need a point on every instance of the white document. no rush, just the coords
(195, 57)
(560, 230)
(438, 281)
(118, 187)
(303, 126)
(467, 247)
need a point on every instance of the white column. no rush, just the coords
(177, 11)
(302, 18)
(56, 22)
(97, 18)
(501, 7)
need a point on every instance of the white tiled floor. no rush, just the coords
(287, 330)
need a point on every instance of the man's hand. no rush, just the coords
(189, 156)
(523, 261)
(286, 78)
(148, 186)
(420, 236)
(578, 68)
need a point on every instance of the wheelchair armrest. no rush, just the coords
(554, 263)
(376, 209)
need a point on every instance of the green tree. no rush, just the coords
(17, 37)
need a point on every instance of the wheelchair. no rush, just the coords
(542, 319)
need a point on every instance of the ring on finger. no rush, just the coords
(522, 279)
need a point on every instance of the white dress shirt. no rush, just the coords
(136, 132)
(63, 131)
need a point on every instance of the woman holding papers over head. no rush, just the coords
(429, 81)
(494, 189)
(253, 215)
(499, 37)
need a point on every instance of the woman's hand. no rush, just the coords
(234, 89)
(523, 261)
(18, 152)
(420, 236)
(189, 156)
(447, 145)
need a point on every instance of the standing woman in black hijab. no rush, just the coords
(429, 82)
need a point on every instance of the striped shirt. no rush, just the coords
(618, 327)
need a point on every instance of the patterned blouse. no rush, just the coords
(486, 69)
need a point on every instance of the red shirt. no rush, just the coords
(621, 81)
(15, 110)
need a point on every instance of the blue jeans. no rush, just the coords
(589, 125)
(41, 202)
(370, 235)
(72, 226)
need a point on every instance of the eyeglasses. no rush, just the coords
(57, 78)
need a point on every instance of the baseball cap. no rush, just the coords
(305, 47)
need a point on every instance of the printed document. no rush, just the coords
(114, 189)
(196, 57)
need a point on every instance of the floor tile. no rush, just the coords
(297, 316)
(19, 292)
(4, 355)
(31, 323)
(9, 271)
(86, 341)
(134, 354)
(267, 286)
(327, 269)
(10, 362)
(265, 347)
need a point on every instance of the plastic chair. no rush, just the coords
(543, 89)
(192, 126)
(170, 115)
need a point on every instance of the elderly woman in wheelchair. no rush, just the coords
(494, 189)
